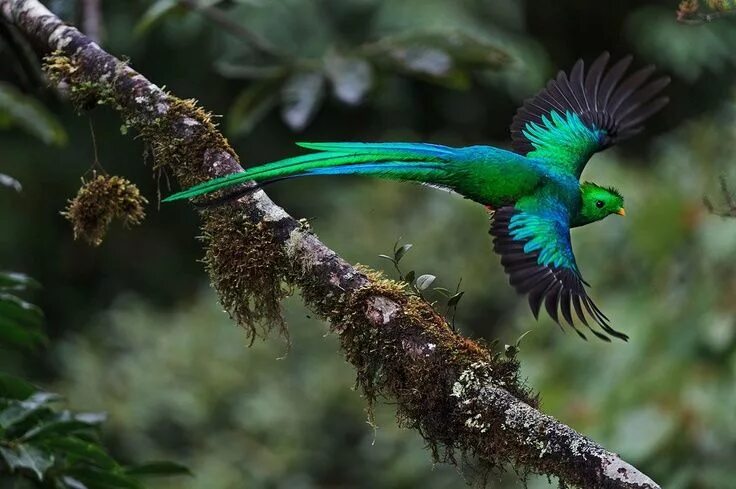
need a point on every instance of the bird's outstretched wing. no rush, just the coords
(579, 114)
(537, 255)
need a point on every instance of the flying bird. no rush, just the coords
(534, 190)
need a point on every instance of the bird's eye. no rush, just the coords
(599, 204)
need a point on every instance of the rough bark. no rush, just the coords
(462, 398)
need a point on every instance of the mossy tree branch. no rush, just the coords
(462, 398)
(689, 11)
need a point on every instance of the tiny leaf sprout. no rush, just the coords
(422, 284)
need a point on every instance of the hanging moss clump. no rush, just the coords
(99, 201)
(248, 269)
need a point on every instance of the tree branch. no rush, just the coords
(462, 398)
(689, 13)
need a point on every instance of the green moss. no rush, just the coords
(245, 261)
(247, 268)
(101, 200)
(184, 156)
(421, 363)
(84, 94)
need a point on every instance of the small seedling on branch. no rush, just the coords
(729, 199)
(512, 350)
(420, 285)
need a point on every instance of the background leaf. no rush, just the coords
(81, 452)
(17, 411)
(251, 105)
(154, 14)
(27, 457)
(64, 424)
(7, 181)
(38, 441)
(17, 281)
(351, 77)
(161, 468)
(16, 335)
(442, 57)
(95, 478)
(301, 97)
(12, 387)
(29, 114)
(16, 310)
(252, 71)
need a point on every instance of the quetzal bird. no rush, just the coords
(534, 190)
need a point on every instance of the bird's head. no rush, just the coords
(599, 202)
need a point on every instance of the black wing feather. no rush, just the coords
(604, 99)
(559, 289)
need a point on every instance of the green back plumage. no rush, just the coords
(563, 141)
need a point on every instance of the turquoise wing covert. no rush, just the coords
(575, 116)
(536, 253)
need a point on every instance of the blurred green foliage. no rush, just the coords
(272, 417)
(141, 340)
(41, 445)
(292, 70)
(27, 113)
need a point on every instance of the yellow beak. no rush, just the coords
(621, 212)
